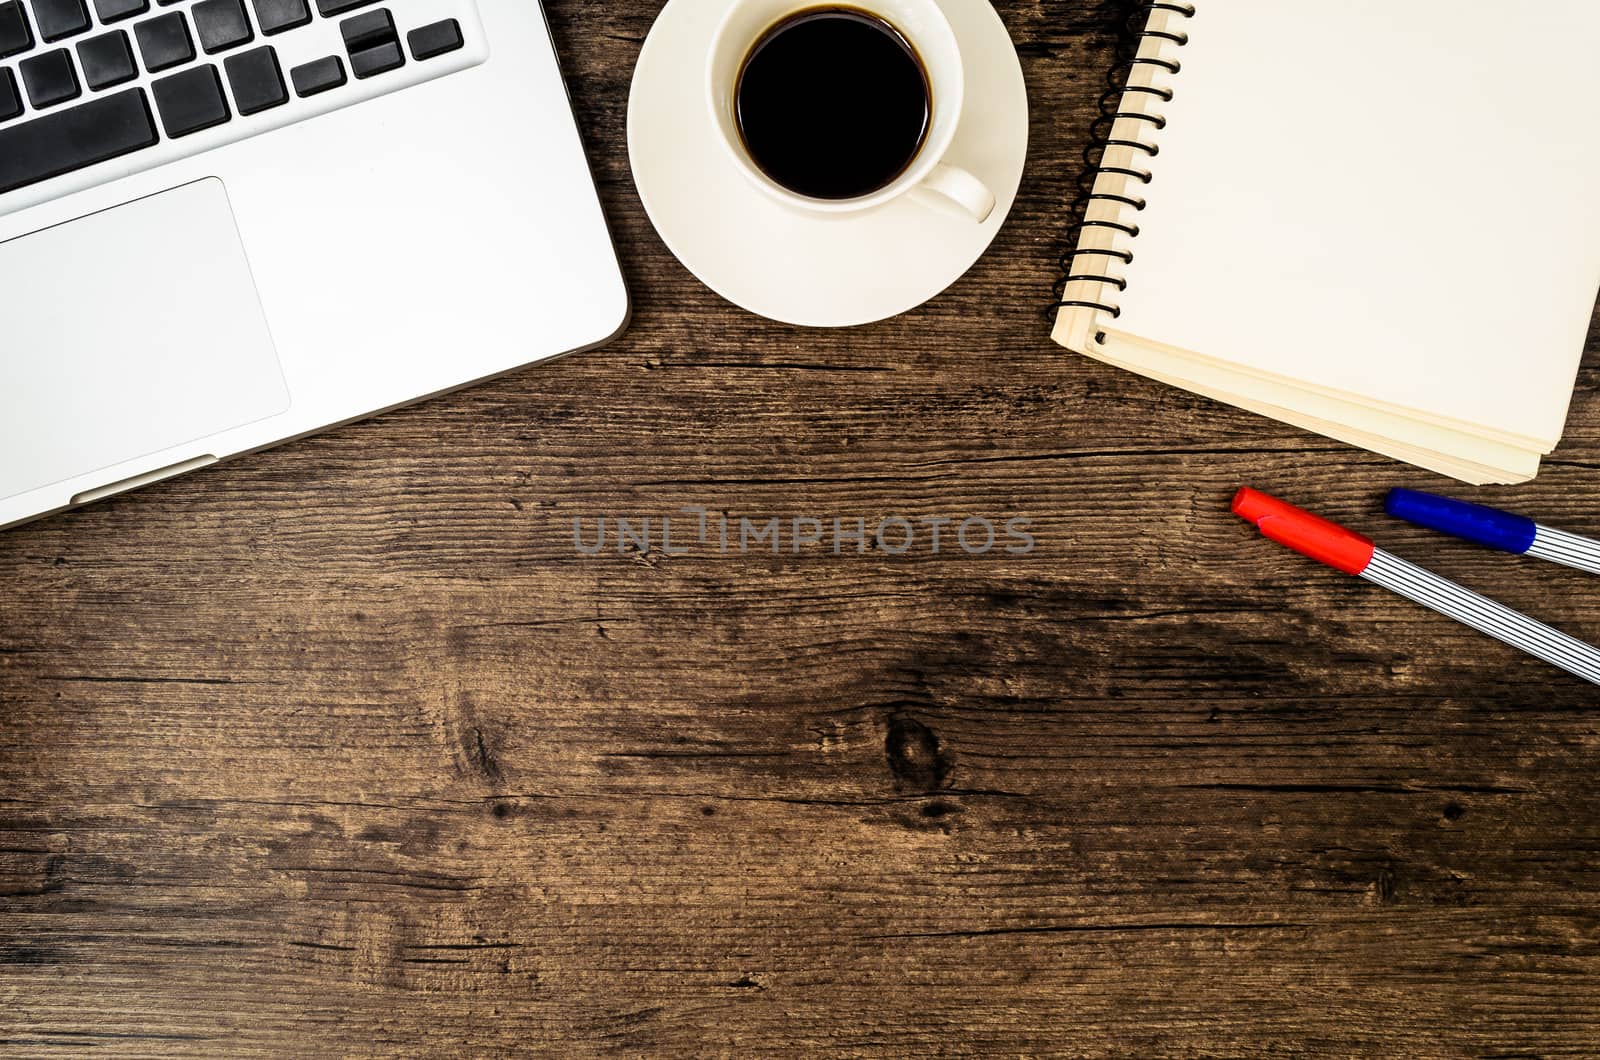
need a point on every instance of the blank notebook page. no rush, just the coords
(1396, 200)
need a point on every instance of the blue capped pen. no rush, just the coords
(1494, 528)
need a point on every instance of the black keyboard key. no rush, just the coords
(116, 10)
(377, 60)
(435, 39)
(104, 128)
(10, 96)
(257, 80)
(164, 41)
(275, 16)
(221, 24)
(365, 30)
(58, 19)
(15, 36)
(107, 60)
(329, 8)
(317, 76)
(190, 101)
(50, 78)
(373, 43)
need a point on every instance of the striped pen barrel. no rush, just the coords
(1353, 554)
(1422, 586)
(1496, 529)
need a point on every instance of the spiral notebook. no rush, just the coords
(1378, 221)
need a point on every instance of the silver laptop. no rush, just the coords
(227, 223)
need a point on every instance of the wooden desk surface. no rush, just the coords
(346, 744)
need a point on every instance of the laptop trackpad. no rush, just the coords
(128, 332)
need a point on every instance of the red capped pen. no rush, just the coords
(1352, 553)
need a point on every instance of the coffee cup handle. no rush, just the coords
(961, 188)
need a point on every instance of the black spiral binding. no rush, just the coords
(1100, 139)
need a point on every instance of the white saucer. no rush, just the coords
(803, 268)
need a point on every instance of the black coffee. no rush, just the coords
(833, 103)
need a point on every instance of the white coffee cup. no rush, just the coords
(925, 27)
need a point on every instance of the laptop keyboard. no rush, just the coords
(91, 90)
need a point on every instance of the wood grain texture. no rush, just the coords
(343, 747)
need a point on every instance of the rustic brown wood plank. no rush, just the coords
(344, 746)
